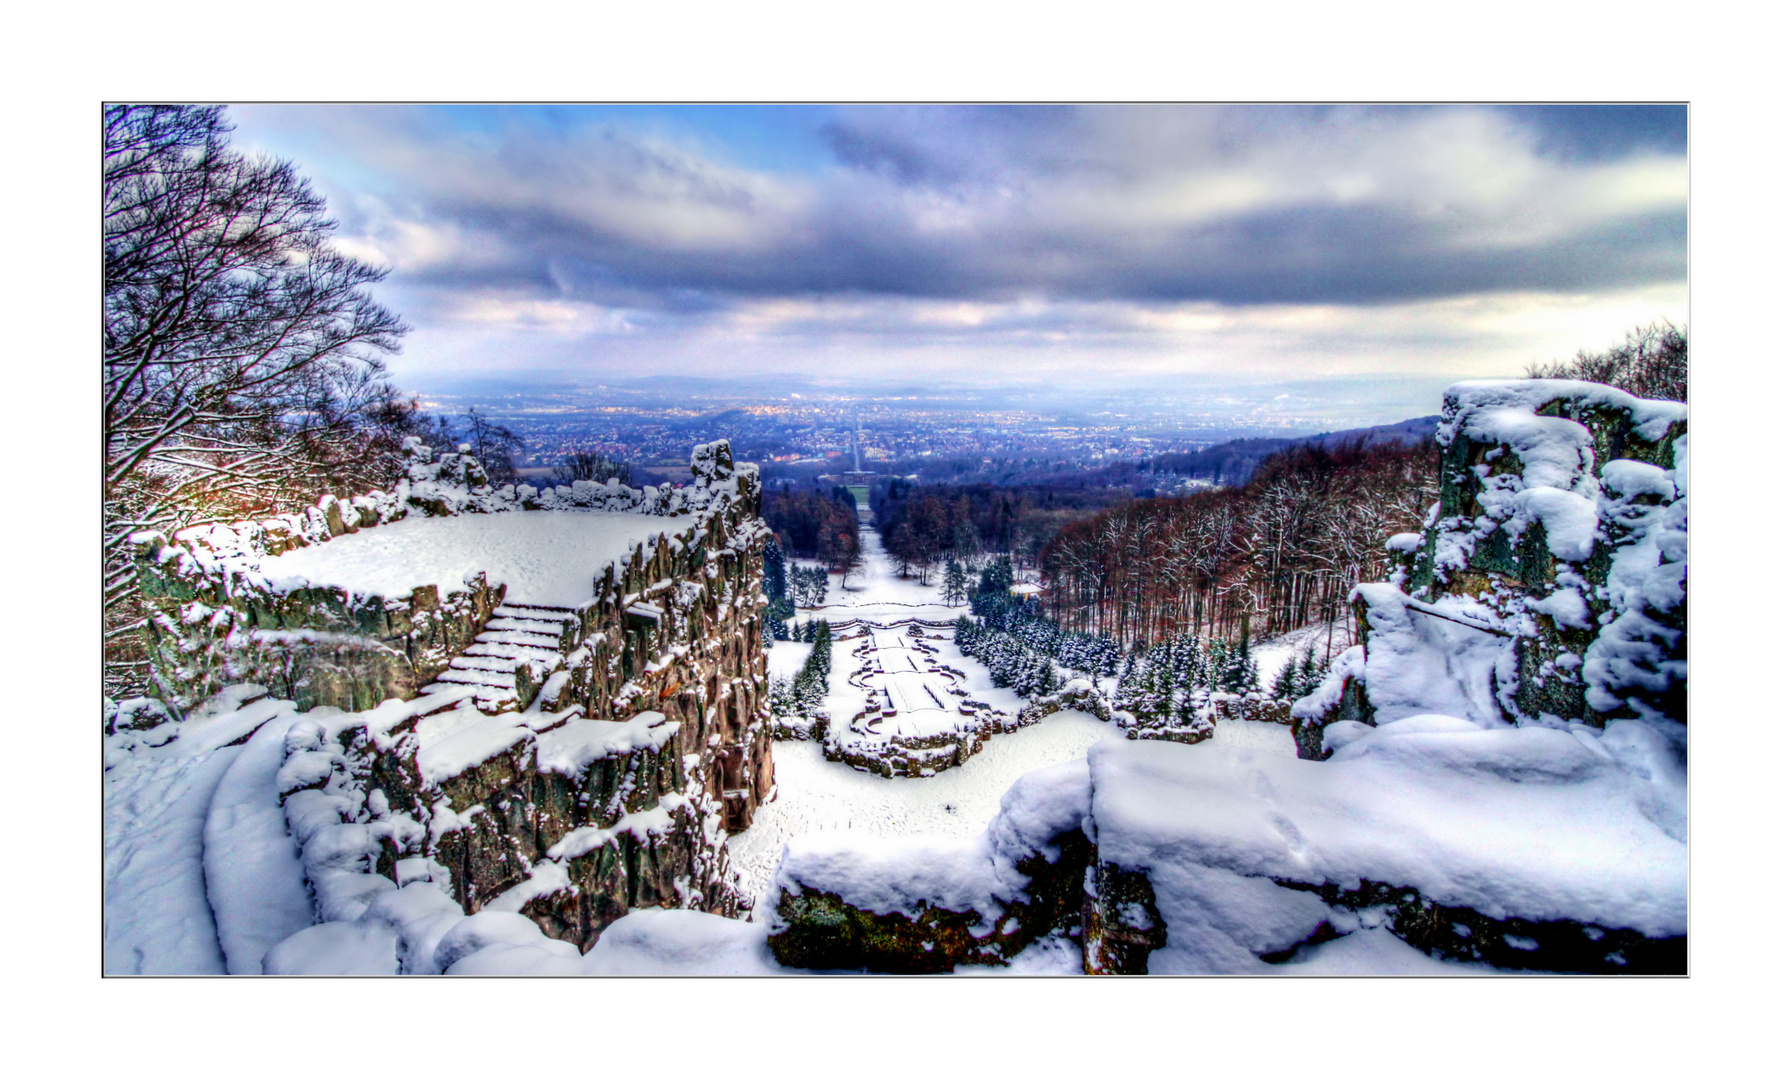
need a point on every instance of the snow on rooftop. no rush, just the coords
(545, 557)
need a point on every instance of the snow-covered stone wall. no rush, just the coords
(1525, 848)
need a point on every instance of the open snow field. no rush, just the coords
(546, 557)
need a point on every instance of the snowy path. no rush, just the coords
(816, 794)
(158, 918)
(882, 595)
(253, 878)
(158, 921)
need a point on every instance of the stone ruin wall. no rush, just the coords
(670, 641)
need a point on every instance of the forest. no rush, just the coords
(1274, 555)
(814, 523)
(925, 526)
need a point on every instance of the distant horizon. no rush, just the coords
(1362, 400)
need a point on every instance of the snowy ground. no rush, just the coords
(194, 807)
(879, 593)
(1273, 653)
(545, 557)
(202, 878)
(815, 794)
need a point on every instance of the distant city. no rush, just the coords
(804, 430)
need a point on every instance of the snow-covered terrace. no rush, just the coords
(543, 558)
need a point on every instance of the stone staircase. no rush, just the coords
(521, 645)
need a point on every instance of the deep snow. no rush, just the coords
(544, 557)
(815, 794)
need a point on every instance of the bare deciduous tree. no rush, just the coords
(585, 465)
(242, 353)
(1650, 362)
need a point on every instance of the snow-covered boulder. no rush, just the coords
(924, 905)
(1529, 848)
(1549, 584)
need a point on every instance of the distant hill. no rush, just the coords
(1232, 463)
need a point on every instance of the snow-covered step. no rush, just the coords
(550, 627)
(504, 664)
(530, 611)
(516, 636)
(511, 651)
(474, 677)
(471, 691)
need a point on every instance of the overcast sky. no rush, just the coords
(990, 244)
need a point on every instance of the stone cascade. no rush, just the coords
(215, 619)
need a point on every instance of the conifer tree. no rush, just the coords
(954, 584)
(823, 653)
(1312, 673)
(1288, 680)
(776, 583)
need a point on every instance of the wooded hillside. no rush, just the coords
(1272, 556)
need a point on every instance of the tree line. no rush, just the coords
(1650, 362)
(812, 523)
(1277, 554)
(925, 527)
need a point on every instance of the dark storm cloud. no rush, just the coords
(1597, 132)
(1239, 205)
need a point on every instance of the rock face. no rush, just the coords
(925, 906)
(1550, 581)
(636, 735)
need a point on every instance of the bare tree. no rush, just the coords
(492, 445)
(1650, 362)
(585, 465)
(242, 368)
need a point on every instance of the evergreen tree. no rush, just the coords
(997, 577)
(823, 653)
(1288, 680)
(776, 584)
(965, 633)
(811, 683)
(778, 615)
(1312, 673)
(954, 584)
(782, 696)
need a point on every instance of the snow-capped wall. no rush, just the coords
(632, 733)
